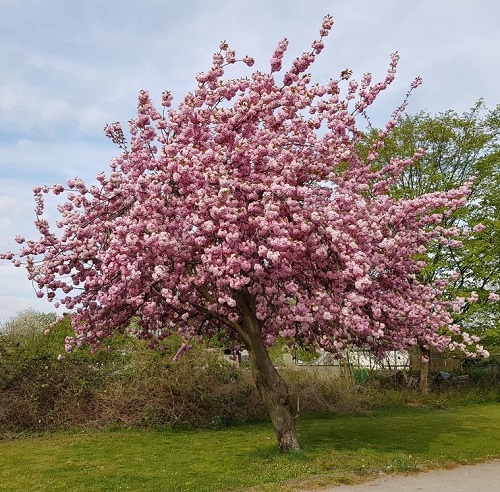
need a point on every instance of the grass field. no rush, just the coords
(335, 450)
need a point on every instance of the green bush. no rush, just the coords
(40, 387)
(133, 385)
(484, 373)
(199, 390)
(42, 390)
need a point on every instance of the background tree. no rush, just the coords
(456, 148)
(26, 323)
(23, 333)
(248, 210)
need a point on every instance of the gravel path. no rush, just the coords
(484, 477)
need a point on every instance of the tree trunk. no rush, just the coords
(274, 393)
(272, 388)
(425, 357)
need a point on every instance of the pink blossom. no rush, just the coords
(317, 46)
(473, 297)
(58, 189)
(249, 61)
(166, 99)
(202, 77)
(416, 82)
(493, 297)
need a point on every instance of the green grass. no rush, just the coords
(335, 450)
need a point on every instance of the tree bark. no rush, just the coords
(425, 357)
(274, 393)
(272, 388)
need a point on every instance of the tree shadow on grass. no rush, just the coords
(412, 431)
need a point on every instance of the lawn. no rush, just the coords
(335, 450)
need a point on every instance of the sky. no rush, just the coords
(67, 68)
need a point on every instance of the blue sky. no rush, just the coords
(68, 68)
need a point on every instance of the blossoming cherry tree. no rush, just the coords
(250, 210)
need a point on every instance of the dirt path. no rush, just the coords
(484, 477)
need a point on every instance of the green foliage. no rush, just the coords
(23, 335)
(458, 147)
(485, 373)
(41, 387)
(23, 345)
(27, 323)
(134, 385)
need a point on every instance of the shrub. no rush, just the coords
(484, 373)
(134, 385)
(38, 389)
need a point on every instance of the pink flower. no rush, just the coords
(249, 61)
(202, 77)
(58, 189)
(493, 297)
(473, 298)
(166, 99)
(416, 82)
(317, 46)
